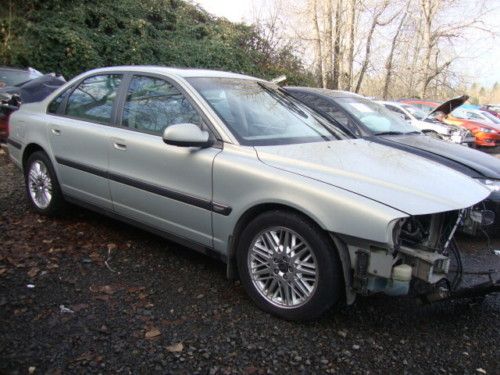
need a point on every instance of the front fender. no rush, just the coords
(241, 181)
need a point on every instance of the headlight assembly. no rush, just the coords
(486, 130)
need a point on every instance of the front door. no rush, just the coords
(166, 187)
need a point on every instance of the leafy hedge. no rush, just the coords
(72, 36)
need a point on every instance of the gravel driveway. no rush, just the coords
(87, 294)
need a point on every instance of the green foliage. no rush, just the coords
(72, 36)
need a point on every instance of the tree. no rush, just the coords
(72, 36)
(376, 21)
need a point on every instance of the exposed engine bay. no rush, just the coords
(425, 260)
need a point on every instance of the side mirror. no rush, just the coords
(186, 135)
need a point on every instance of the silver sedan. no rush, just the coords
(232, 166)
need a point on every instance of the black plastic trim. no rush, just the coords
(82, 167)
(168, 193)
(14, 143)
(172, 194)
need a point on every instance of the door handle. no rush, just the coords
(120, 146)
(55, 131)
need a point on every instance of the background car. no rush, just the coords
(10, 76)
(476, 115)
(494, 109)
(33, 90)
(367, 119)
(424, 105)
(486, 135)
(416, 117)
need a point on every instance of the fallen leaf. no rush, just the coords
(175, 348)
(103, 297)
(33, 272)
(111, 246)
(102, 289)
(134, 289)
(95, 256)
(152, 333)
(78, 307)
(3, 270)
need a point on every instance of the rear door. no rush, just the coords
(163, 186)
(79, 123)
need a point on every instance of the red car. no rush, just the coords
(486, 135)
(422, 104)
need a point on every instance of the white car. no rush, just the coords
(416, 117)
(476, 115)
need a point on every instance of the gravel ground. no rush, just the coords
(86, 294)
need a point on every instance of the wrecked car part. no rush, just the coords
(452, 233)
(418, 263)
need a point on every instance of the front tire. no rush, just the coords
(288, 266)
(42, 187)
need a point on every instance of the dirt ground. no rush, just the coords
(87, 294)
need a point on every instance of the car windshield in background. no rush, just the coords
(258, 114)
(13, 77)
(375, 117)
(492, 118)
(417, 113)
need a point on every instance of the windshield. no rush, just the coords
(490, 117)
(375, 117)
(417, 113)
(257, 113)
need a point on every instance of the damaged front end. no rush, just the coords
(423, 259)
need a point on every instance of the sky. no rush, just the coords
(233, 10)
(482, 64)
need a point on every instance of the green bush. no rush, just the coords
(72, 36)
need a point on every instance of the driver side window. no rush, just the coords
(152, 104)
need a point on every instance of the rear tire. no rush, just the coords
(288, 266)
(42, 188)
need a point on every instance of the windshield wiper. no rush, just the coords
(390, 133)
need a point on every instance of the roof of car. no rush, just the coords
(390, 102)
(180, 72)
(325, 92)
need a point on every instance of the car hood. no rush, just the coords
(398, 179)
(448, 106)
(485, 165)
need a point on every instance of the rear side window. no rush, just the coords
(152, 104)
(93, 99)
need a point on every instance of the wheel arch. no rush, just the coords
(30, 149)
(254, 211)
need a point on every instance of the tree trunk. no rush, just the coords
(388, 64)
(328, 41)
(350, 48)
(318, 49)
(336, 50)
(428, 10)
(367, 55)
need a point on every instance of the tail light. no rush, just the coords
(4, 124)
(6, 108)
